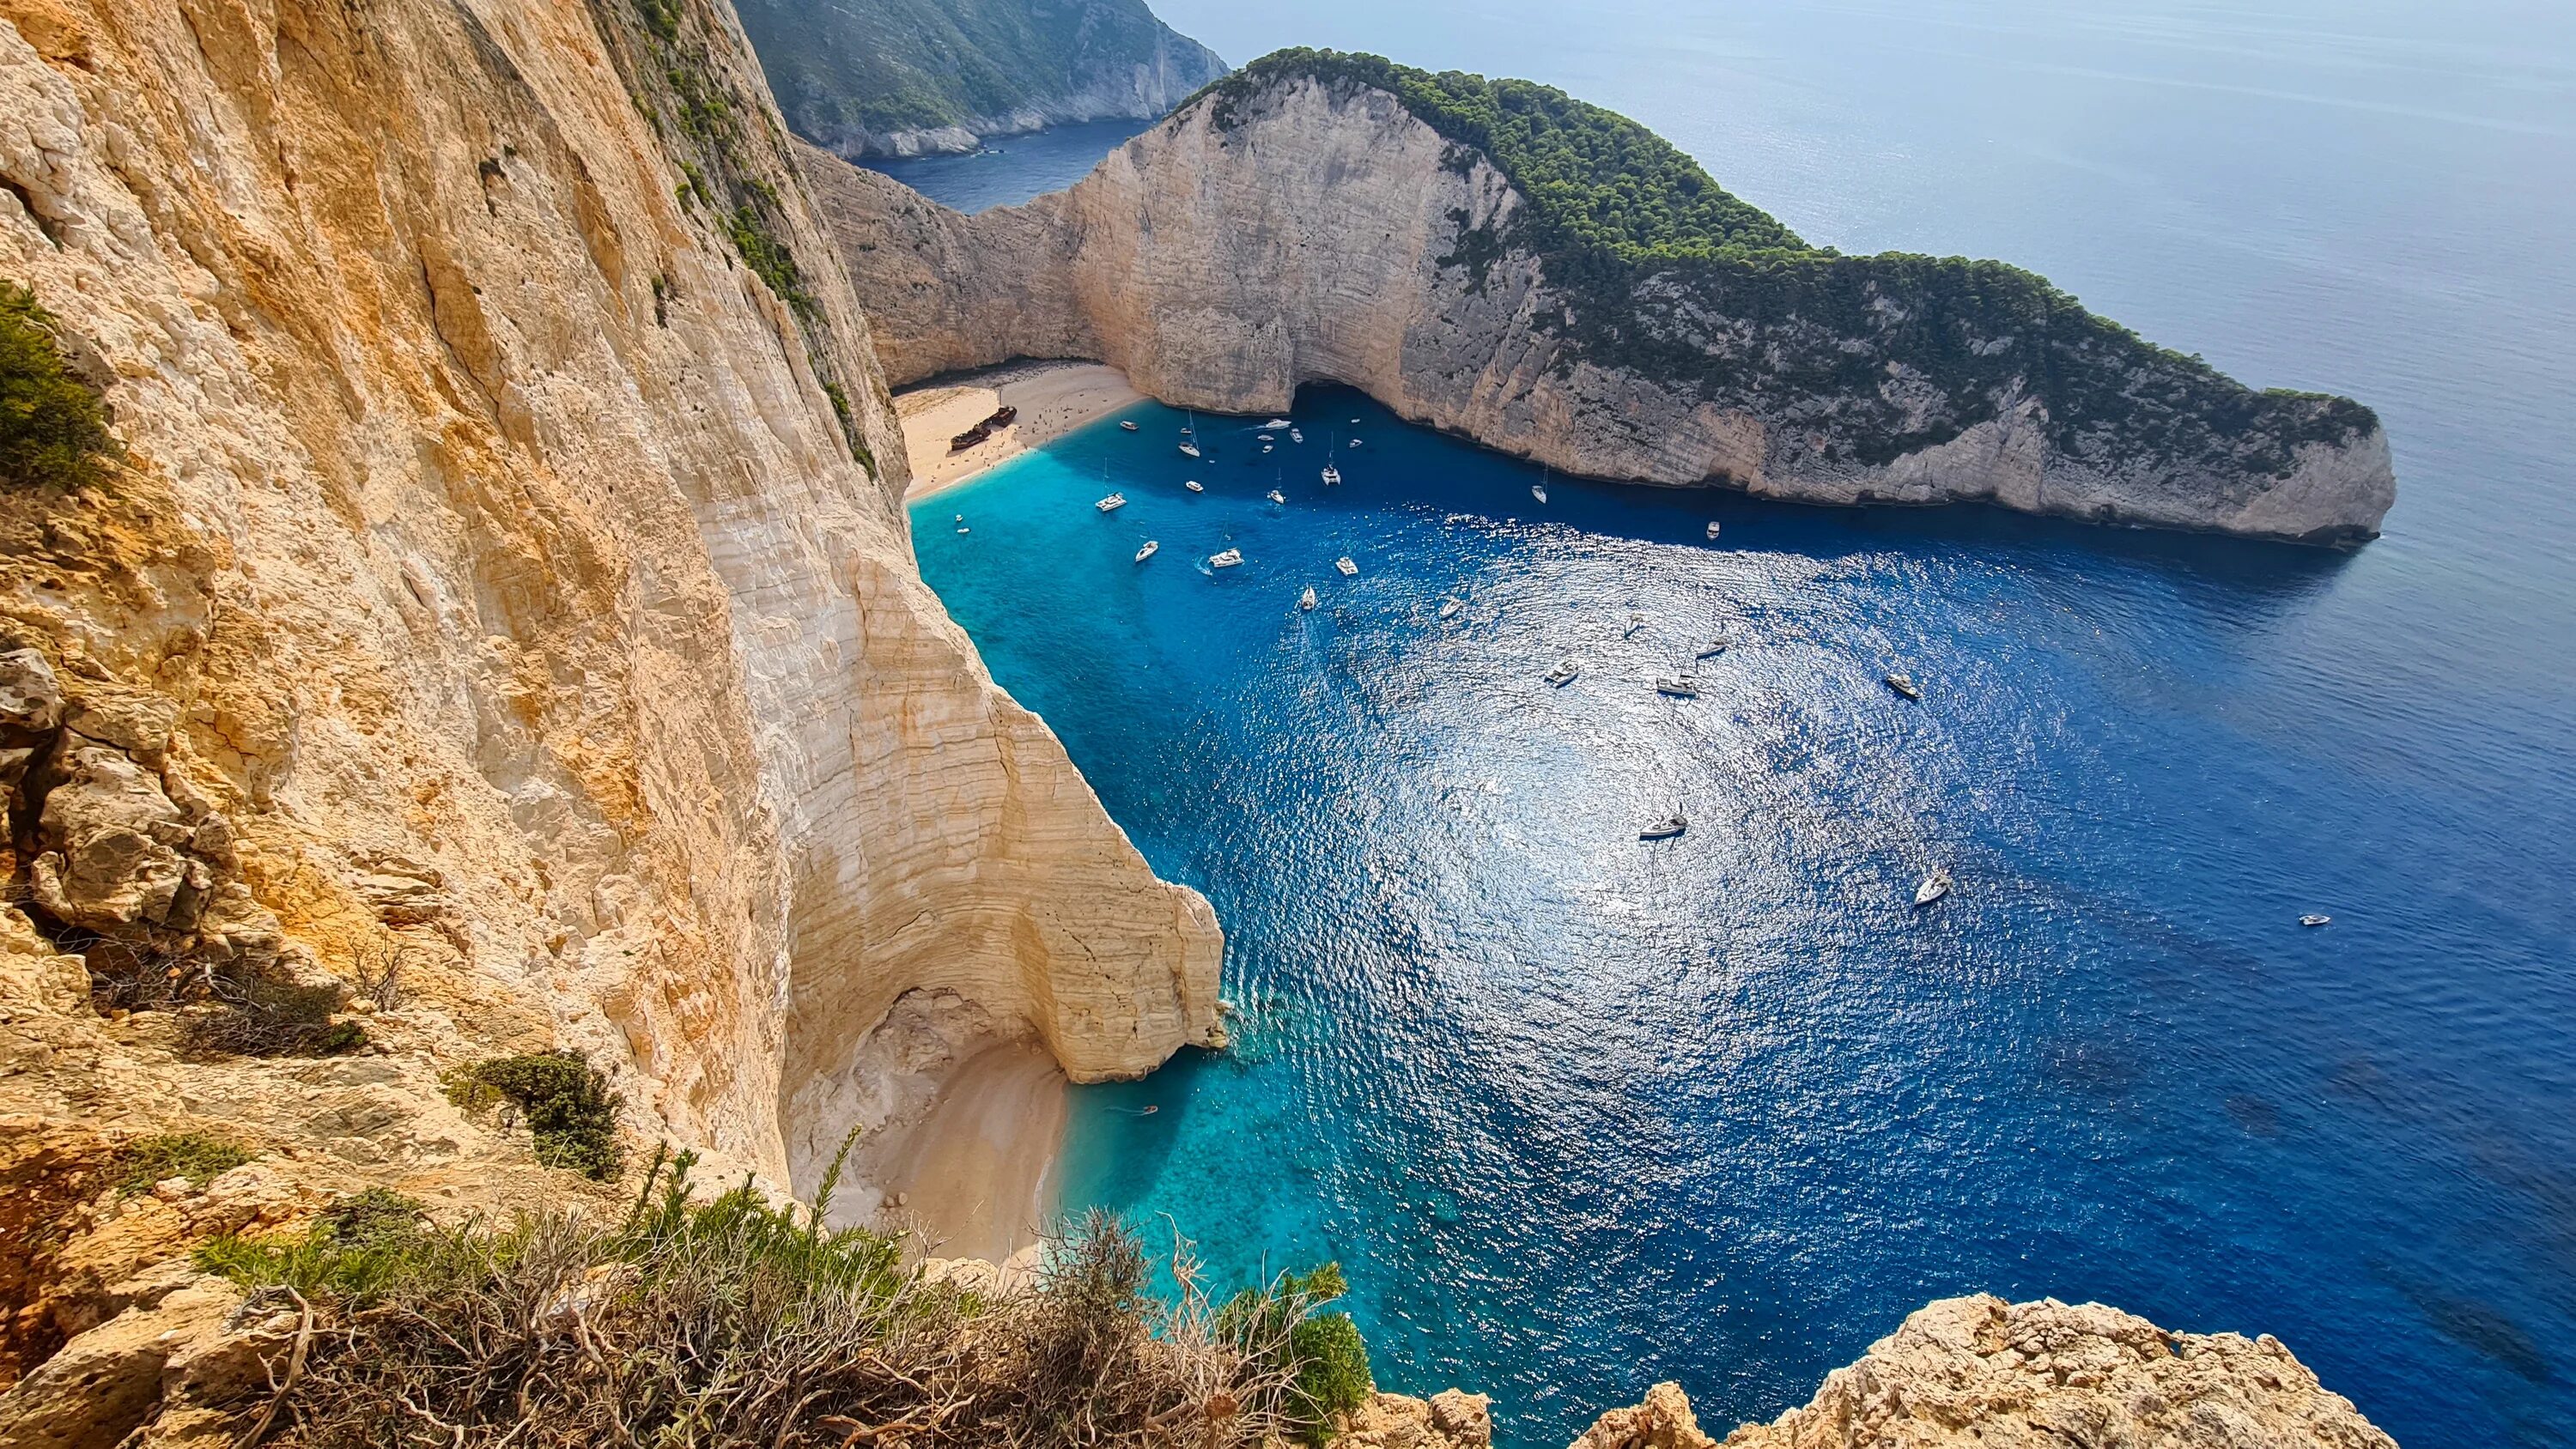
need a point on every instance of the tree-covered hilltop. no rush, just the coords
(1666, 274)
(850, 73)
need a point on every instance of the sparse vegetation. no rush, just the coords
(197, 1157)
(53, 428)
(570, 1113)
(732, 1324)
(252, 1016)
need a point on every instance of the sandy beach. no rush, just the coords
(979, 1173)
(1054, 398)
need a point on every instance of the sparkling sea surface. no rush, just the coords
(1578, 1113)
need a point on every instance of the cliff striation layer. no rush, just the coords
(909, 77)
(1321, 217)
(506, 578)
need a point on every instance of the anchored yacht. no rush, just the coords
(1664, 829)
(1147, 551)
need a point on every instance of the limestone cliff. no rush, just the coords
(1978, 1371)
(1303, 221)
(506, 576)
(908, 77)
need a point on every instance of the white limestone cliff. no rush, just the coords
(508, 584)
(1317, 230)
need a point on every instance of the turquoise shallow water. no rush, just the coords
(1579, 1113)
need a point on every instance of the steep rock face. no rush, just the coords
(1295, 227)
(1980, 1371)
(908, 77)
(509, 561)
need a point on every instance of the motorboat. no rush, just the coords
(1275, 424)
(1296, 436)
(1126, 425)
(1563, 674)
(1268, 447)
(1712, 528)
(1332, 475)
(1225, 560)
(1148, 551)
(1306, 600)
(1664, 829)
(1449, 608)
(1904, 686)
(1713, 647)
(1265, 437)
(2312, 922)
(1682, 688)
(1195, 486)
(1934, 887)
(1539, 491)
(1278, 497)
(1347, 567)
(1112, 503)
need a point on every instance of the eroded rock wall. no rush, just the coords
(495, 567)
(1319, 231)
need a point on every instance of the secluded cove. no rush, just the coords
(1577, 1112)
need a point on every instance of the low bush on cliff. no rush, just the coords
(53, 429)
(252, 1016)
(733, 1324)
(196, 1157)
(571, 1114)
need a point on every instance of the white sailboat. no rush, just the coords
(1306, 600)
(1148, 551)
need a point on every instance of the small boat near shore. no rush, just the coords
(1226, 560)
(1664, 829)
(1934, 887)
(1904, 686)
(1195, 486)
(1563, 674)
(1278, 497)
(1148, 551)
(1712, 528)
(1112, 503)
(1539, 491)
(1332, 475)
(1295, 436)
(1126, 425)
(1306, 600)
(1275, 424)
(1348, 568)
(1682, 688)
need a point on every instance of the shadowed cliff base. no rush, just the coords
(1498, 260)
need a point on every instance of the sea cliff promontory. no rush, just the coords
(1496, 259)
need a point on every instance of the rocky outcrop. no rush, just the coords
(507, 574)
(915, 77)
(1982, 1372)
(1446, 1420)
(1299, 224)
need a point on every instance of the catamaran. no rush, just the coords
(1347, 567)
(1332, 472)
(1225, 560)
(1112, 503)
(1712, 528)
(1682, 688)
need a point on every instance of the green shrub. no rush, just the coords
(196, 1156)
(359, 1247)
(53, 429)
(571, 1114)
(1321, 1355)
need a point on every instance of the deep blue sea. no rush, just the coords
(1010, 169)
(1578, 1113)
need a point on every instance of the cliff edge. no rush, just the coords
(505, 580)
(1498, 260)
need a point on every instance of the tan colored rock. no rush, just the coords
(32, 974)
(1982, 1372)
(484, 511)
(1317, 237)
(1448, 1420)
(103, 1384)
(1663, 1421)
(31, 698)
